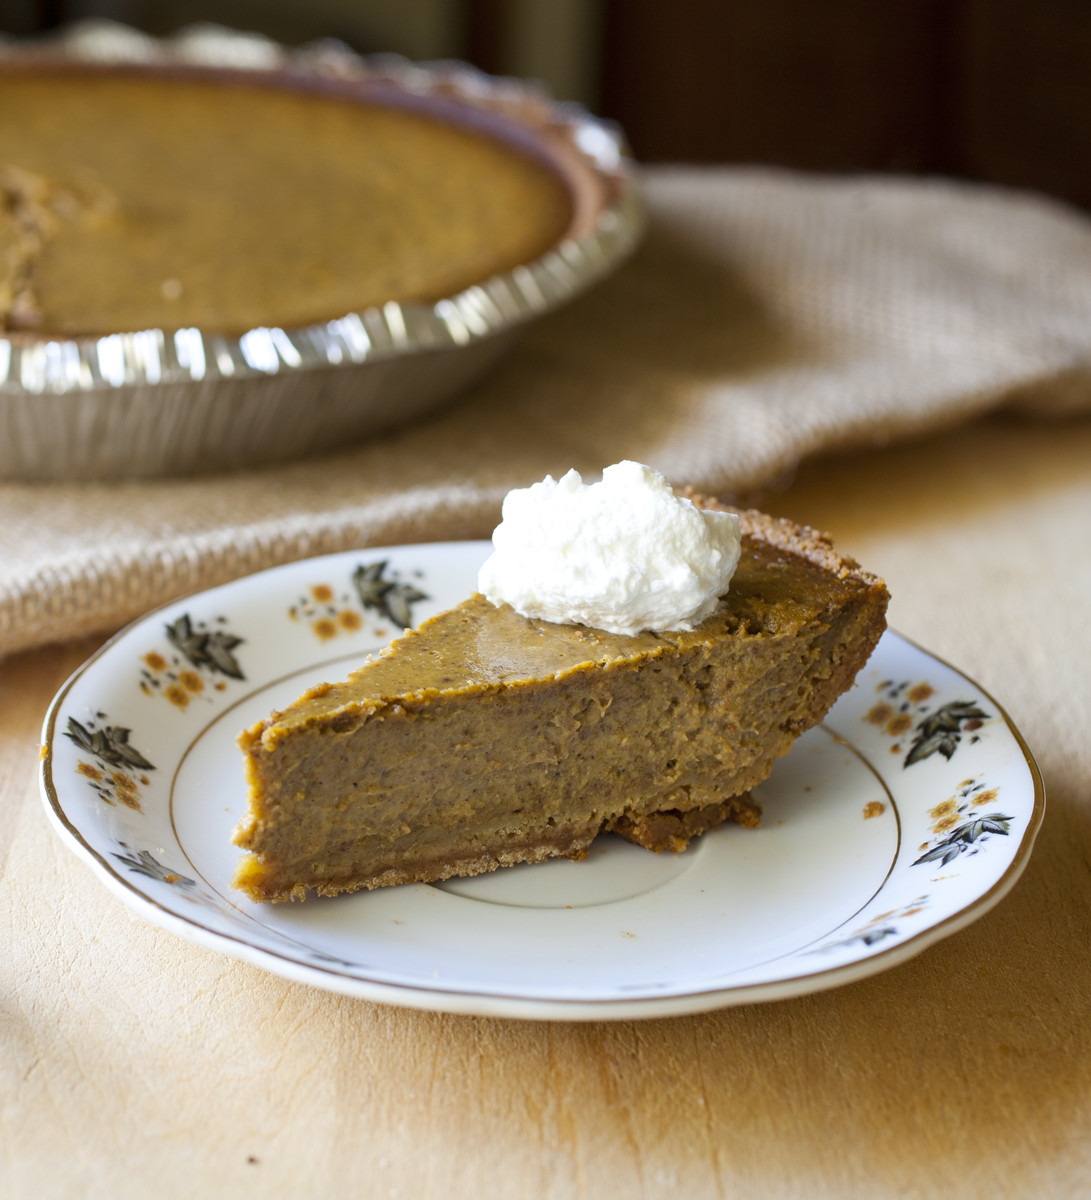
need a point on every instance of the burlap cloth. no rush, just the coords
(767, 317)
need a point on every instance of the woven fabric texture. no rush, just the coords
(768, 316)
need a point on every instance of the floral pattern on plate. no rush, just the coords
(882, 925)
(117, 770)
(902, 819)
(959, 825)
(329, 610)
(905, 709)
(201, 656)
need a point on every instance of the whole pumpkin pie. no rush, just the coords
(484, 738)
(134, 199)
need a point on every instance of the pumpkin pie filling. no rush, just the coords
(131, 200)
(485, 738)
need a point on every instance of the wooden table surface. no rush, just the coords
(135, 1064)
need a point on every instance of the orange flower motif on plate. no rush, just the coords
(119, 770)
(904, 708)
(201, 661)
(329, 611)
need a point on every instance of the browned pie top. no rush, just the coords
(130, 201)
(787, 576)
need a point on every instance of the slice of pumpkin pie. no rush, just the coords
(487, 737)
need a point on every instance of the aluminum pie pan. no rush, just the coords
(157, 402)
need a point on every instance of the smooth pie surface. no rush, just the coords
(137, 202)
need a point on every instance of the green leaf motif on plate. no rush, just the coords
(964, 836)
(110, 745)
(203, 647)
(941, 731)
(143, 863)
(390, 597)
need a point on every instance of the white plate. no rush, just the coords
(907, 815)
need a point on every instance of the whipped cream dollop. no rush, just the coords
(624, 555)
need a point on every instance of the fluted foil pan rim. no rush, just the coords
(33, 364)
